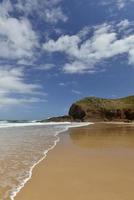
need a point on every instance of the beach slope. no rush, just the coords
(94, 162)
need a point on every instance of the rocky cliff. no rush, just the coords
(100, 109)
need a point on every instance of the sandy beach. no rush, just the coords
(94, 162)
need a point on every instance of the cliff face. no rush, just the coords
(98, 109)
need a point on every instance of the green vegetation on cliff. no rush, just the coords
(93, 108)
(121, 103)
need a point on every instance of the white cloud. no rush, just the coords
(66, 43)
(62, 84)
(12, 83)
(5, 100)
(30, 6)
(17, 39)
(84, 54)
(131, 57)
(124, 24)
(120, 4)
(20, 46)
(54, 15)
(76, 92)
(46, 66)
(78, 67)
(50, 11)
(5, 7)
(12, 80)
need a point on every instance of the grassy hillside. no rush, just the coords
(103, 109)
(94, 102)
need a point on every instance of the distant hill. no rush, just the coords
(96, 109)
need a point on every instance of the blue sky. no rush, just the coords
(54, 52)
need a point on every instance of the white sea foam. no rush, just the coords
(66, 125)
(5, 124)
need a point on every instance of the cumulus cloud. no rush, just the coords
(5, 7)
(17, 39)
(65, 43)
(124, 24)
(18, 44)
(12, 80)
(12, 83)
(85, 53)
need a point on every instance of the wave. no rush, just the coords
(7, 124)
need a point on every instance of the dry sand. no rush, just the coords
(89, 163)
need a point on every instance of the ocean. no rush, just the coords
(23, 146)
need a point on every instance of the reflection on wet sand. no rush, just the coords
(104, 136)
(90, 163)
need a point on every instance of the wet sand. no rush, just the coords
(89, 163)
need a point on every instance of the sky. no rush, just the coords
(54, 52)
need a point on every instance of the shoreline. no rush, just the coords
(47, 161)
(45, 153)
(25, 181)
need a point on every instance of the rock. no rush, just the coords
(100, 109)
(58, 119)
(77, 113)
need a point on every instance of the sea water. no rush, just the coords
(22, 147)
